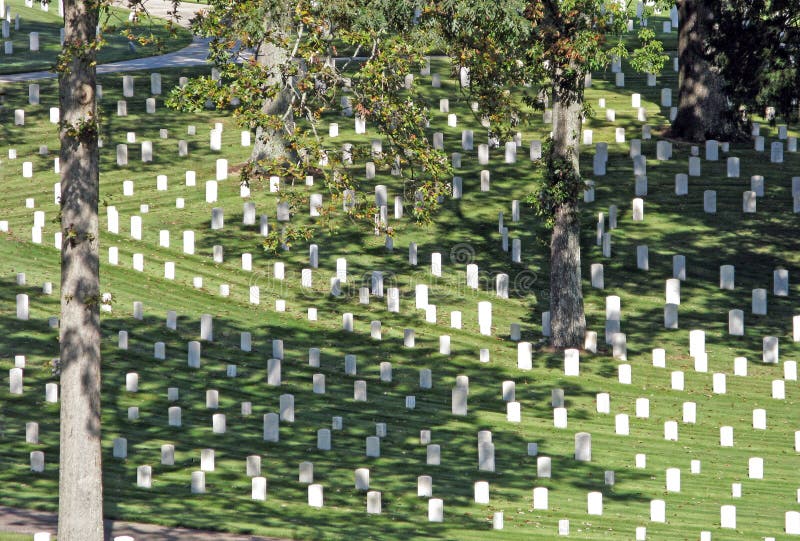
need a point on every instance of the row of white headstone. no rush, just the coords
(368, 444)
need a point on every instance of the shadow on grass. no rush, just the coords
(284, 513)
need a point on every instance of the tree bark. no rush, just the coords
(80, 516)
(703, 110)
(567, 319)
(269, 143)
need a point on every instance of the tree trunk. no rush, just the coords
(269, 143)
(703, 111)
(80, 516)
(567, 319)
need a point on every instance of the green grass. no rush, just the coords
(47, 24)
(755, 244)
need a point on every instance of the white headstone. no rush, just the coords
(728, 516)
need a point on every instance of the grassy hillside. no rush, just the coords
(465, 231)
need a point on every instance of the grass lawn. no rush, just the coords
(465, 231)
(48, 23)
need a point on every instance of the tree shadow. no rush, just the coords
(394, 473)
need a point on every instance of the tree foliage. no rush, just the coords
(757, 47)
(520, 55)
(345, 55)
(562, 185)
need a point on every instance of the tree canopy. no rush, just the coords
(326, 58)
(757, 46)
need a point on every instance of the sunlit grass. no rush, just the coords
(755, 244)
(118, 47)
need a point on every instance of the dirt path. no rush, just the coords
(30, 522)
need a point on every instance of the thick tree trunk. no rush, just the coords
(80, 502)
(567, 319)
(270, 143)
(703, 111)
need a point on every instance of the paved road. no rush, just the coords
(193, 55)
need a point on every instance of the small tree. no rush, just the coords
(551, 47)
